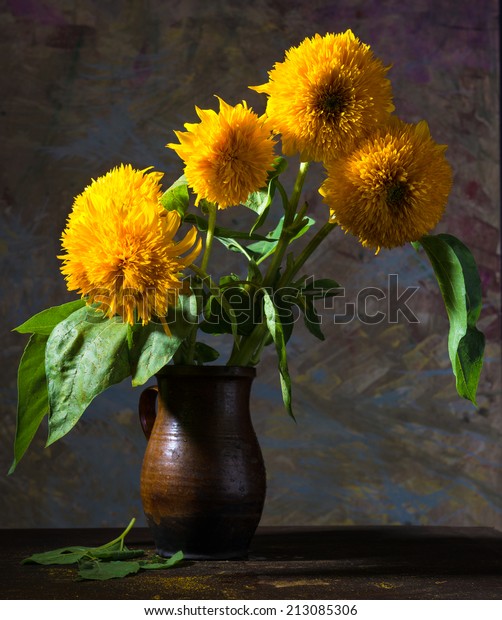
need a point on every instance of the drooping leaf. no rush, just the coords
(460, 285)
(176, 197)
(85, 354)
(473, 291)
(312, 319)
(276, 331)
(469, 362)
(286, 304)
(44, 322)
(32, 400)
(151, 350)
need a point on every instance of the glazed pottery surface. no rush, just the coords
(203, 479)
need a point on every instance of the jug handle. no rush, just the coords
(147, 412)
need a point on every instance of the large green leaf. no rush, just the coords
(276, 331)
(85, 354)
(45, 321)
(93, 569)
(152, 348)
(460, 285)
(33, 402)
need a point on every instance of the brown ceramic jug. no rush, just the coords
(203, 479)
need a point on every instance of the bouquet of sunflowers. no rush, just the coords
(139, 256)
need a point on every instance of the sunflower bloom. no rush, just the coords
(328, 91)
(119, 246)
(227, 155)
(393, 188)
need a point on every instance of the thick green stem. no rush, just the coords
(286, 234)
(209, 235)
(297, 190)
(198, 288)
(251, 346)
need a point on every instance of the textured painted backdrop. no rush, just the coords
(381, 435)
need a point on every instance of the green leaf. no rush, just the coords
(254, 273)
(111, 550)
(460, 285)
(32, 401)
(85, 354)
(264, 249)
(276, 331)
(235, 246)
(176, 197)
(204, 353)
(64, 555)
(151, 350)
(101, 571)
(235, 311)
(312, 319)
(44, 322)
(165, 563)
(260, 201)
(473, 291)
(109, 561)
(322, 288)
(73, 555)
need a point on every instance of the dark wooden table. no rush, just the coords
(293, 563)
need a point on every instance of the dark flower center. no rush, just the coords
(332, 101)
(396, 195)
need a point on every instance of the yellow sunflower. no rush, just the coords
(328, 91)
(393, 188)
(119, 246)
(227, 155)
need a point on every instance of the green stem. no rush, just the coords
(250, 346)
(316, 240)
(120, 538)
(197, 289)
(209, 235)
(297, 190)
(286, 234)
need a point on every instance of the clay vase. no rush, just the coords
(203, 478)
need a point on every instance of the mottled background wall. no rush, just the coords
(381, 435)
